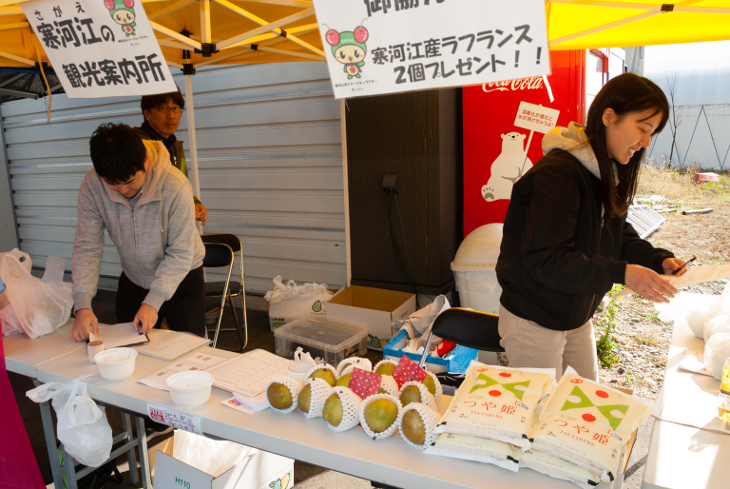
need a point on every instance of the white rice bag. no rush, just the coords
(477, 449)
(718, 324)
(588, 424)
(496, 403)
(717, 351)
(559, 469)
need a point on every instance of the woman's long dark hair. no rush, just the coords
(624, 94)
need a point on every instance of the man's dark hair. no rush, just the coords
(151, 101)
(117, 152)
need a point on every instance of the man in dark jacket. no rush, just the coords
(162, 114)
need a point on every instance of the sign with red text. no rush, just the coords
(386, 46)
(176, 419)
(536, 117)
(102, 48)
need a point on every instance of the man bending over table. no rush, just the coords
(146, 205)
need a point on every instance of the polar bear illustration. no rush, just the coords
(507, 168)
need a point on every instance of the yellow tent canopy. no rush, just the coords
(266, 31)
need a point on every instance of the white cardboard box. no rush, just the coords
(262, 470)
(376, 309)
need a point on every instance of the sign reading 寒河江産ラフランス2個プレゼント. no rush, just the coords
(100, 48)
(386, 46)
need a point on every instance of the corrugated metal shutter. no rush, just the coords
(270, 156)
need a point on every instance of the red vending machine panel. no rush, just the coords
(494, 148)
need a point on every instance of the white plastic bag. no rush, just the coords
(82, 425)
(718, 324)
(418, 325)
(35, 307)
(290, 301)
(688, 309)
(717, 351)
(213, 457)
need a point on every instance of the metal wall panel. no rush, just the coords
(270, 157)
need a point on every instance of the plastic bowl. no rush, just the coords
(116, 363)
(190, 389)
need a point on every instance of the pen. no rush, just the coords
(684, 265)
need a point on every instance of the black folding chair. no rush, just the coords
(466, 327)
(220, 251)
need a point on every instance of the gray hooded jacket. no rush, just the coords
(156, 238)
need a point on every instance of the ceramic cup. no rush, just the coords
(299, 370)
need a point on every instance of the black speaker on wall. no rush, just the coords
(405, 239)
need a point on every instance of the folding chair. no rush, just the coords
(466, 327)
(220, 251)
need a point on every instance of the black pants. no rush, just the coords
(185, 311)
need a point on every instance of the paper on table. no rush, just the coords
(237, 405)
(166, 344)
(693, 362)
(248, 373)
(196, 361)
(694, 275)
(120, 334)
(257, 403)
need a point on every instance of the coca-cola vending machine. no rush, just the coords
(494, 147)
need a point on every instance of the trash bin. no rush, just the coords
(473, 267)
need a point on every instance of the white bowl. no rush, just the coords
(116, 363)
(190, 389)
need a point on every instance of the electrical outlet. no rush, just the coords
(390, 182)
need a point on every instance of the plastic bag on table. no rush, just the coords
(214, 457)
(36, 307)
(717, 351)
(418, 325)
(718, 324)
(82, 425)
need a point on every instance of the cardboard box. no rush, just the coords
(376, 309)
(262, 470)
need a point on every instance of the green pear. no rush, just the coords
(413, 428)
(410, 394)
(385, 369)
(305, 398)
(430, 385)
(332, 411)
(380, 415)
(324, 374)
(344, 380)
(279, 396)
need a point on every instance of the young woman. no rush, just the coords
(566, 240)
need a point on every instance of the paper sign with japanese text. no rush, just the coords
(176, 419)
(102, 48)
(536, 117)
(386, 46)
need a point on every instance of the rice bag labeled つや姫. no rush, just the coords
(496, 403)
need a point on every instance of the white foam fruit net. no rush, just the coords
(320, 389)
(429, 417)
(350, 404)
(381, 362)
(359, 362)
(363, 422)
(389, 385)
(426, 397)
(294, 386)
(321, 366)
(439, 390)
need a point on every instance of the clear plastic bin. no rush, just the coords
(322, 338)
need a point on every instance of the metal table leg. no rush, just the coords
(131, 456)
(144, 460)
(69, 468)
(50, 434)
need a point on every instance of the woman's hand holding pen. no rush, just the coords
(649, 284)
(675, 266)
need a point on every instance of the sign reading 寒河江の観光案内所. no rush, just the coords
(100, 48)
(385, 46)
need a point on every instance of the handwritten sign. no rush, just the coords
(536, 117)
(176, 419)
(102, 48)
(385, 46)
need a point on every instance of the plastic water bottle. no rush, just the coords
(725, 384)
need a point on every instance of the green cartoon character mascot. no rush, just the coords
(349, 48)
(123, 14)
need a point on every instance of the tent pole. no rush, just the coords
(192, 141)
(346, 187)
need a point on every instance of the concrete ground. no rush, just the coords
(305, 476)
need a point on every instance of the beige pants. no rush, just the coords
(528, 344)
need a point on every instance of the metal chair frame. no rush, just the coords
(216, 240)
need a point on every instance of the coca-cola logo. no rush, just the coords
(532, 83)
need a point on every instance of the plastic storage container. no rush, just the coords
(456, 362)
(321, 338)
(473, 267)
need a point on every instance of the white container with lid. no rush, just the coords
(190, 389)
(473, 267)
(330, 340)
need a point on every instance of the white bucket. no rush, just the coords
(473, 267)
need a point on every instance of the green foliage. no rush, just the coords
(606, 327)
